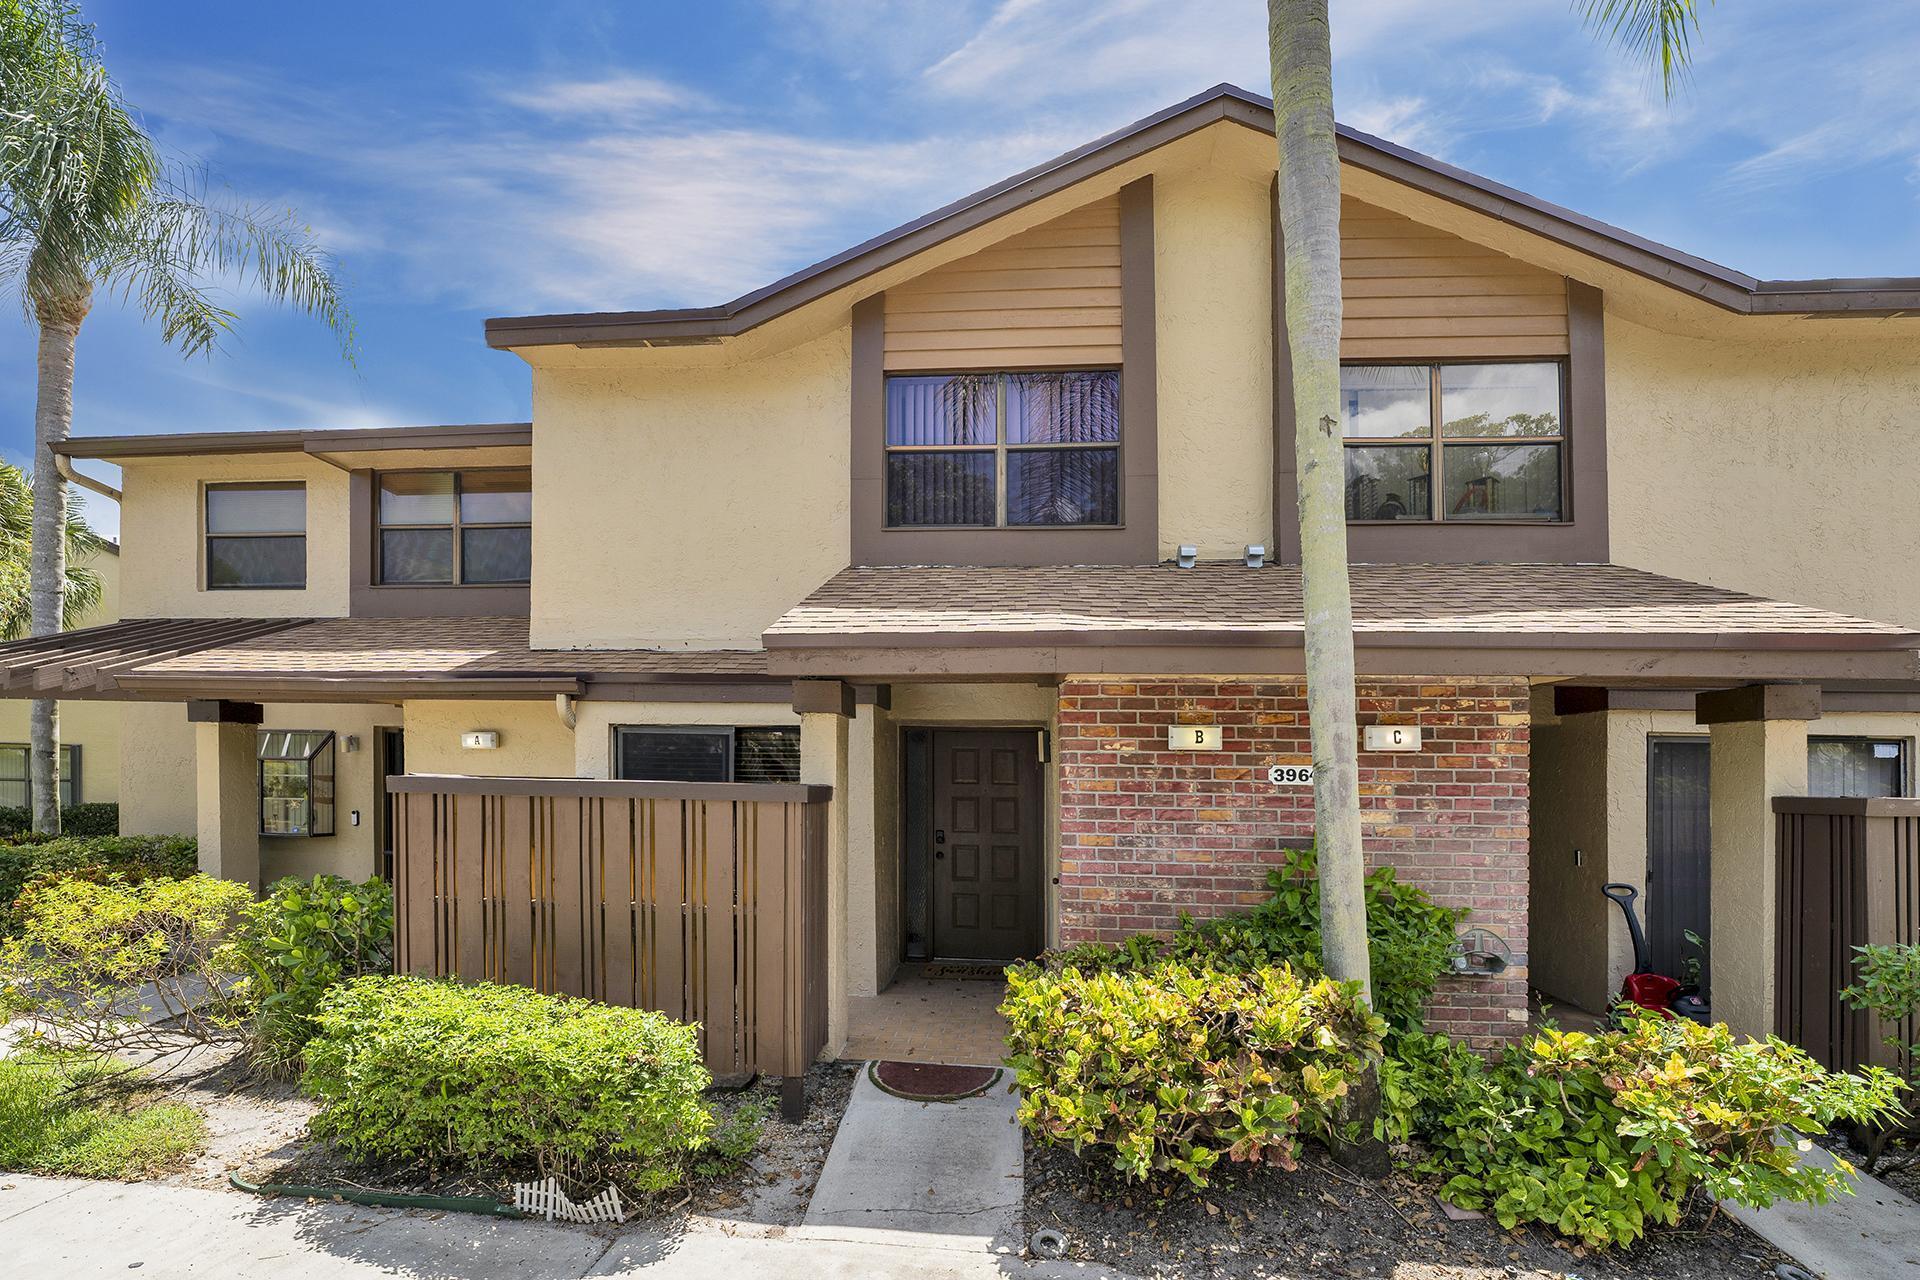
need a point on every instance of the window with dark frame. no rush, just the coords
(16, 776)
(256, 536)
(1859, 767)
(447, 528)
(706, 753)
(296, 782)
(1003, 450)
(1455, 441)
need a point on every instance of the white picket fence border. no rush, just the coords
(546, 1200)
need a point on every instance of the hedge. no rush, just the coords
(132, 857)
(101, 819)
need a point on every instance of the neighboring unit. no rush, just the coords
(868, 586)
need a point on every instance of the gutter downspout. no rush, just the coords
(563, 706)
(64, 466)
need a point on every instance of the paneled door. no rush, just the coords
(986, 829)
(1679, 853)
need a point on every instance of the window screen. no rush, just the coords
(16, 785)
(700, 753)
(1859, 767)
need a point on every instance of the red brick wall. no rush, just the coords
(1146, 833)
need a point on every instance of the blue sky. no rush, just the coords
(470, 159)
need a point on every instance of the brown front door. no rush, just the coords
(986, 844)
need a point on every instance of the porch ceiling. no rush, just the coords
(1596, 620)
(354, 660)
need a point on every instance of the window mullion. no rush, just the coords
(1000, 452)
(1436, 452)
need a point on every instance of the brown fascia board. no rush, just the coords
(340, 440)
(1722, 286)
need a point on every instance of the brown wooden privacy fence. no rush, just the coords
(704, 901)
(1849, 874)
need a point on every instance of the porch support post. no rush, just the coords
(227, 788)
(872, 864)
(1758, 751)
(823, 760)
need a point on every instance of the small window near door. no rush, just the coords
(296, 782)
(16, 776)
(1859, 767)
(706, 753)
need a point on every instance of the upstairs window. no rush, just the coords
(1003, 450)
(16, 776)
(701, 753)
(1454, 441)
(256, 537)
(296, 782)
(447, 528)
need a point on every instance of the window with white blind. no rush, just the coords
(706, 753)
(16, 782)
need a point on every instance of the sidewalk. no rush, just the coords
(1873, 1234)
(74, 1228)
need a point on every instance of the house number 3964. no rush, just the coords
(1291, 775)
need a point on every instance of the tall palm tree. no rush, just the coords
(1301, 58)
(82, 592)
(86, 203)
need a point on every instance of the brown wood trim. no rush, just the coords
(633, 689)
(610, 788)
(367, 598)
(1582, 538)
(1850, 806)
(829, 697)
(1758, 702)
(220, 711)
(1731, 290)
(1135, 541)
(1575, 700)
(484, 435)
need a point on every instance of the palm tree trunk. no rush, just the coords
(1309, 193)
(52, 421)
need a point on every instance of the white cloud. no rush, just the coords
(614, 96)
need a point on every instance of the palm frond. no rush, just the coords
(178, 238)
(1657, 32)
(83, 583)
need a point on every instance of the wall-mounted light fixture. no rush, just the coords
(480, 740)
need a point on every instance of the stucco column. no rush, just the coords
(1758, 751)
(823, 761)
(227, 793)
(863, 866)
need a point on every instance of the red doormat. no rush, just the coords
(928, 1082)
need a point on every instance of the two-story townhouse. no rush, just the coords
(988, 524)
(89, 730)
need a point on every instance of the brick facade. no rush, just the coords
(1146, 833)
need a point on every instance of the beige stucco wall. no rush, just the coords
(689, 505)
(156, 769)
(160, 524)
(534, 742)
(1589, 789)
(1784, 467)
(1213, 322)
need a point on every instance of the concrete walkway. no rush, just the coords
(75, 1229)
(1873, 1234)
(930, 1175)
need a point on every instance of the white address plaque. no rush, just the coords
(1290, 775)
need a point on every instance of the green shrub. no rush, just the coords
(1599, 1136)
(98, 965)
(45, 1129)
(131, 857)
(1408, 936)
(100, 819)
(1172, 1067)
(1888, 986)
(300, 940)
(486, 1077)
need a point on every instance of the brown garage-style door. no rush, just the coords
(987, 822)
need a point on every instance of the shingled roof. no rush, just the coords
(1536, 619)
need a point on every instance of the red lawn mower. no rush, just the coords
(1656, 991)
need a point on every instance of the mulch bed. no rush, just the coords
(1319, 1221)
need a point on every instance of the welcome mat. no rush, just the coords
(927, 1082)
(972, 970)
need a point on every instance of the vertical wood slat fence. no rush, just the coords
(703, 901)
(1848, 874)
